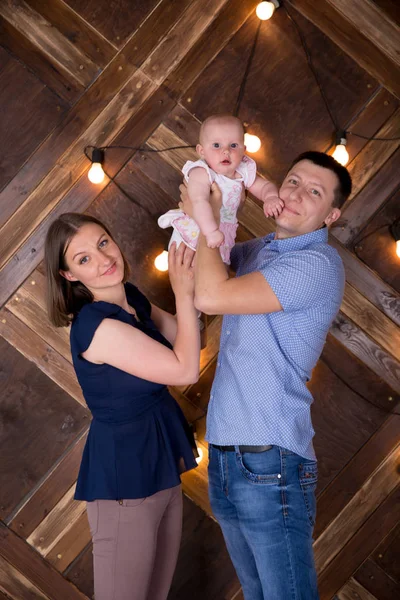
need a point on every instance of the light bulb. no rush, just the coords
(200, 455)
(265, 10)
(161, 262)
(252, 143)
(96, 173)
(341, 154)
(398, 248)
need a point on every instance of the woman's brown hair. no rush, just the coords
(66, 298)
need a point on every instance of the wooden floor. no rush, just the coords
(145, 73)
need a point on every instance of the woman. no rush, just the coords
(125, 352)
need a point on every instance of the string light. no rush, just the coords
(252, 143)
(265, 10)
(395, 231)
(161, 261)
(199, 458)
(96, 173)
(340, 154)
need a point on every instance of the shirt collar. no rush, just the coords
(299, 242)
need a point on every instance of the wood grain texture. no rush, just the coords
(357, 511)
(375, 246)
(28, 305)
(16, 585)
(368, 282)
(353, 40)
(373, 156)
(58, 50)
(354, 591)
(391, 8)
(66, 91)
(343, 422)
(381, 31)
(358, 342)
(360, 546)
(372, 117)
(57, 523)
(181, 38)
(73, 541)
(377, 581)
(116, 22)
(78, 31)
(385, 555)
(21, 96)
(221, 30)
(342, 489)
(39, 352)
(364, 314)
(368, 201)
(104, 89)
(60, 179)
(37, 571)
(49, 491)
(39, 421)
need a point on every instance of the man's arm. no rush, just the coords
(218, 294)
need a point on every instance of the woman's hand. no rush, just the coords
(215, 200)
(181, 270)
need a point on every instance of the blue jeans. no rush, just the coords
(265, 504)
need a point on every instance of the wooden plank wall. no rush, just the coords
(146, 73)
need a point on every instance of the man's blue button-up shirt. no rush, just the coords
(259, 395)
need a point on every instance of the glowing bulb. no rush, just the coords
(398, 248)
(200, 455)
(252, 143)
(161, 262)
(341, 154)
(265, 10)
(96, 173)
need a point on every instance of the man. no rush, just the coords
(262, 470)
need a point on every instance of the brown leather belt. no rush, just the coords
(242, 448)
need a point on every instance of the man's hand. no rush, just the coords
(215, 200)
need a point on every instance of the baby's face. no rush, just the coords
(222, 147)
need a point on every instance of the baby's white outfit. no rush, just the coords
(186, 229)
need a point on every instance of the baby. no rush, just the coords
(222, 159)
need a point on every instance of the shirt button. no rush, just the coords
(218, 364)
(228, 332)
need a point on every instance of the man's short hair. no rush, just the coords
(343, 190)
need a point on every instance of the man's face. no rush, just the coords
(308, 192)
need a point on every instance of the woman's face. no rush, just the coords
(94, 259)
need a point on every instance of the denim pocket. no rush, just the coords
(259, 467)
(308, 475)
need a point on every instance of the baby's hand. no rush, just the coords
(215, 239)
(273, 206)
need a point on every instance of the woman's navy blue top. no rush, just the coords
(139, 441)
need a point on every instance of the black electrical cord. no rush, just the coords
(121, 189)
(247, 71)
(136, 149)
(311, 66)
(378, 139)
(313, 71)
